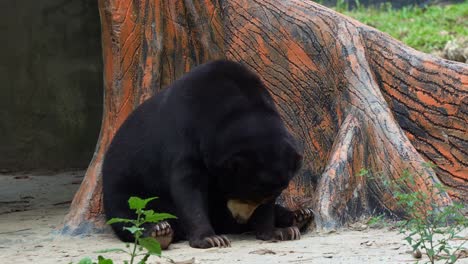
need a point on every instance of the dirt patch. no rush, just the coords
(32, 207)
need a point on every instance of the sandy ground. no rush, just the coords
(32, 206)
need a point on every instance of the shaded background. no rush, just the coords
(51, 84)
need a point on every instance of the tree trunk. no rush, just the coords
(354, 96)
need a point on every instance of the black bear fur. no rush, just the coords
(212, 136)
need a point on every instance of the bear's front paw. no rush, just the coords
(210, 241)
(281, 234)
(162, 232)
(303, 217)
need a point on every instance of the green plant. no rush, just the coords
(428, 226)
(135, 226)
(425, 29)
(101, 260)
(341, 6)
(376, 221)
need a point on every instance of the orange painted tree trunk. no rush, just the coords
(354, 96)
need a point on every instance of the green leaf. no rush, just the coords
(133, 229)
(409, 240)
(416, 246)
(148, 213)
(86, 260)
(137, 203)
(151, 245)
(428, 237)
(111, 250)
(102, 260)
(144, 259)
(118, 220)
(430, 252)
(152, 217)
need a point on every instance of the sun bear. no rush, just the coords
(213, 148)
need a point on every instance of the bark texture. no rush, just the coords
(354, 96)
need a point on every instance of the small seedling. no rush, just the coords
(135, 226)
(428, 227)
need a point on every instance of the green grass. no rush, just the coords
(426, 29)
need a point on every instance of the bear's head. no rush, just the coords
(259, 171)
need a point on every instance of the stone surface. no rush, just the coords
(51, 93)
(456, 50)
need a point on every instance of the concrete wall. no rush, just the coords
(51, 83)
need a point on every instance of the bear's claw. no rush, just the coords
(303, 217)
(211, 241)
(163, 233)
(287, 233)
